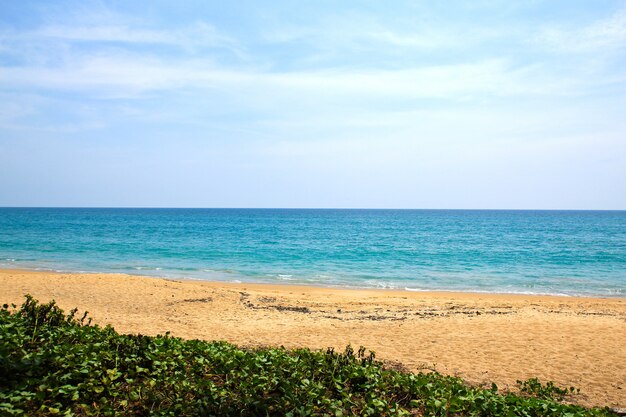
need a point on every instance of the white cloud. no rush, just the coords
(127, 74)
(340, 36)
(93, 22)
(604, 34)
(197, 35)
(356, 32)
(118, 72)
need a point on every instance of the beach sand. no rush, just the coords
(481, 338)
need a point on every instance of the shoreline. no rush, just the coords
(146, 274)
(480, 337)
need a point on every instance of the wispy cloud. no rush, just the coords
(197, 35)
(129, 74)
(360, 33)
(94, 25)
(604, 34)
(121, 68)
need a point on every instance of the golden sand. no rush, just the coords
(481, 338)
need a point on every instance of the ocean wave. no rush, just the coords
(416, 289)
(494, 291)
(282, 277)
(383, 285)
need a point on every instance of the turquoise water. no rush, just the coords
(544, 252)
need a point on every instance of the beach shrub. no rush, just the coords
(57, 364)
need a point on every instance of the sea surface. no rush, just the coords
(539, 252)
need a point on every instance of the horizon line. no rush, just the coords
(301, 208)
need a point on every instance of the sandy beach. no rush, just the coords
(481, 338)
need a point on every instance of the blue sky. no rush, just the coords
(477, 104)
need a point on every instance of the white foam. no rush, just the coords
(414, 289)
(285, 277)
(495, 291)
(146, 268)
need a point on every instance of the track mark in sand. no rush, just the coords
(399, 313)
(198, 300)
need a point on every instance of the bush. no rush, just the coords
(57, 364)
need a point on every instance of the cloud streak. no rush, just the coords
(127, 74)
(606, 34)
(198, 35)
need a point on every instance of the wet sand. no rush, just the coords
(481, 338)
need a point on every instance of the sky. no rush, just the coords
(317, 104)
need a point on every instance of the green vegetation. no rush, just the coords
(57, 364)
(548, 391)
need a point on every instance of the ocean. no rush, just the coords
(530, 252)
